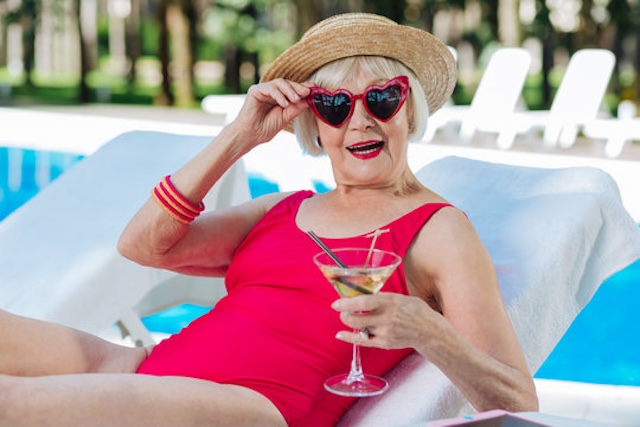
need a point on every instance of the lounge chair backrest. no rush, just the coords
(498, 92)
(580, 95)
(227, 106)
(58, 257)
(554, 236)
(583, 86)
(502, 82)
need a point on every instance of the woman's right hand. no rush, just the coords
(269, 107)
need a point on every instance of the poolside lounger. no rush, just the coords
(227, 106)
(616, 131)
(58, 257)
(554, 235)
(494, 101)
(576, 103)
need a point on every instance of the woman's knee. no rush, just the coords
(121, 359)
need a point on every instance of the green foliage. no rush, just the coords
(262, 29)
(150, 34)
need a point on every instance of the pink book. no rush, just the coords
(495, 418)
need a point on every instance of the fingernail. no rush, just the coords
(336, 305)
(340, 336)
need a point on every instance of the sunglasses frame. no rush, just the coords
(402, 81)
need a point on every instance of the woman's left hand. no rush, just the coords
(393, 321)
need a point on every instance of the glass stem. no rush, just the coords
(356, 365)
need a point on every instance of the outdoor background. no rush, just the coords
(175, 52)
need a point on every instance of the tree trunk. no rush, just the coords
(84, 94)
(166, 96)
(309, 13)
(232, 69)
(637, 63)
(3, 35)
(586, 36)
(508, 23)
(28, 43)
(133, 41)
(181, 56)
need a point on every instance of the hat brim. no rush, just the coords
(360, 34)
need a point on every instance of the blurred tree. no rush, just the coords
(3, 33)
(309, 12)
(86, 47)
(166, 95)
(508, 23)
(636, 27)
(176, 46)
(25, 14)
(133, 40)
(542, 29)
(245, 35)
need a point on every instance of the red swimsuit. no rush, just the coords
(275, 330)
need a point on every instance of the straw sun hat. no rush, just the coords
(354, 34)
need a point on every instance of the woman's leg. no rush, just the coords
(121, 400)
(30, 347)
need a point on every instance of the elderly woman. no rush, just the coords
(357, 87)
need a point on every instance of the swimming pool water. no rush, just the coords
(602, 346)
(24, 172)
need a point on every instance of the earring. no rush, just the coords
(318, 142)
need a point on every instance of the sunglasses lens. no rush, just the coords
(384, 103)
(333, 109)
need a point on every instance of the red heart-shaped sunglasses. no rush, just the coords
(381, 101)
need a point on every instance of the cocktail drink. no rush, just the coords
(363, 271)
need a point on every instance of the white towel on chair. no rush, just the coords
(554, 236)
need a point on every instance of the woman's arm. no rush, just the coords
(206, 245)
(458, 322)
(472, 341)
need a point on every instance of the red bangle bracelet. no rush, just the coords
(174, 203)
(168, 198)
(196, 209)
(157, 196)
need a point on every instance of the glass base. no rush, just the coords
(369, 385)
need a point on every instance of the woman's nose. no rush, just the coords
(361, 117)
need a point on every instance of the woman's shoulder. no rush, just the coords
(268, 201)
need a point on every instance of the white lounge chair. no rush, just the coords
(58, 257)
(576, 103)
(227, 106)
(616, 131)
(554, 235)
(496, 97)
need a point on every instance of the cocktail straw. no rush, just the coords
(375, 235)
(338, 262)
(326, 249)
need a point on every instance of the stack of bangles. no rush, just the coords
(174, 203)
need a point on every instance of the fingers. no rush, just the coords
(362, 313)
(363, 337)
(270, 107)
(390, 320)
(280, 91)
(361, 303)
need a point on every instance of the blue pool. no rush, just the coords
(602, 346)
(24, 172)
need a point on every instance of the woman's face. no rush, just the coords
(365, 151)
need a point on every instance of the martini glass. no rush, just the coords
(363, 271)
